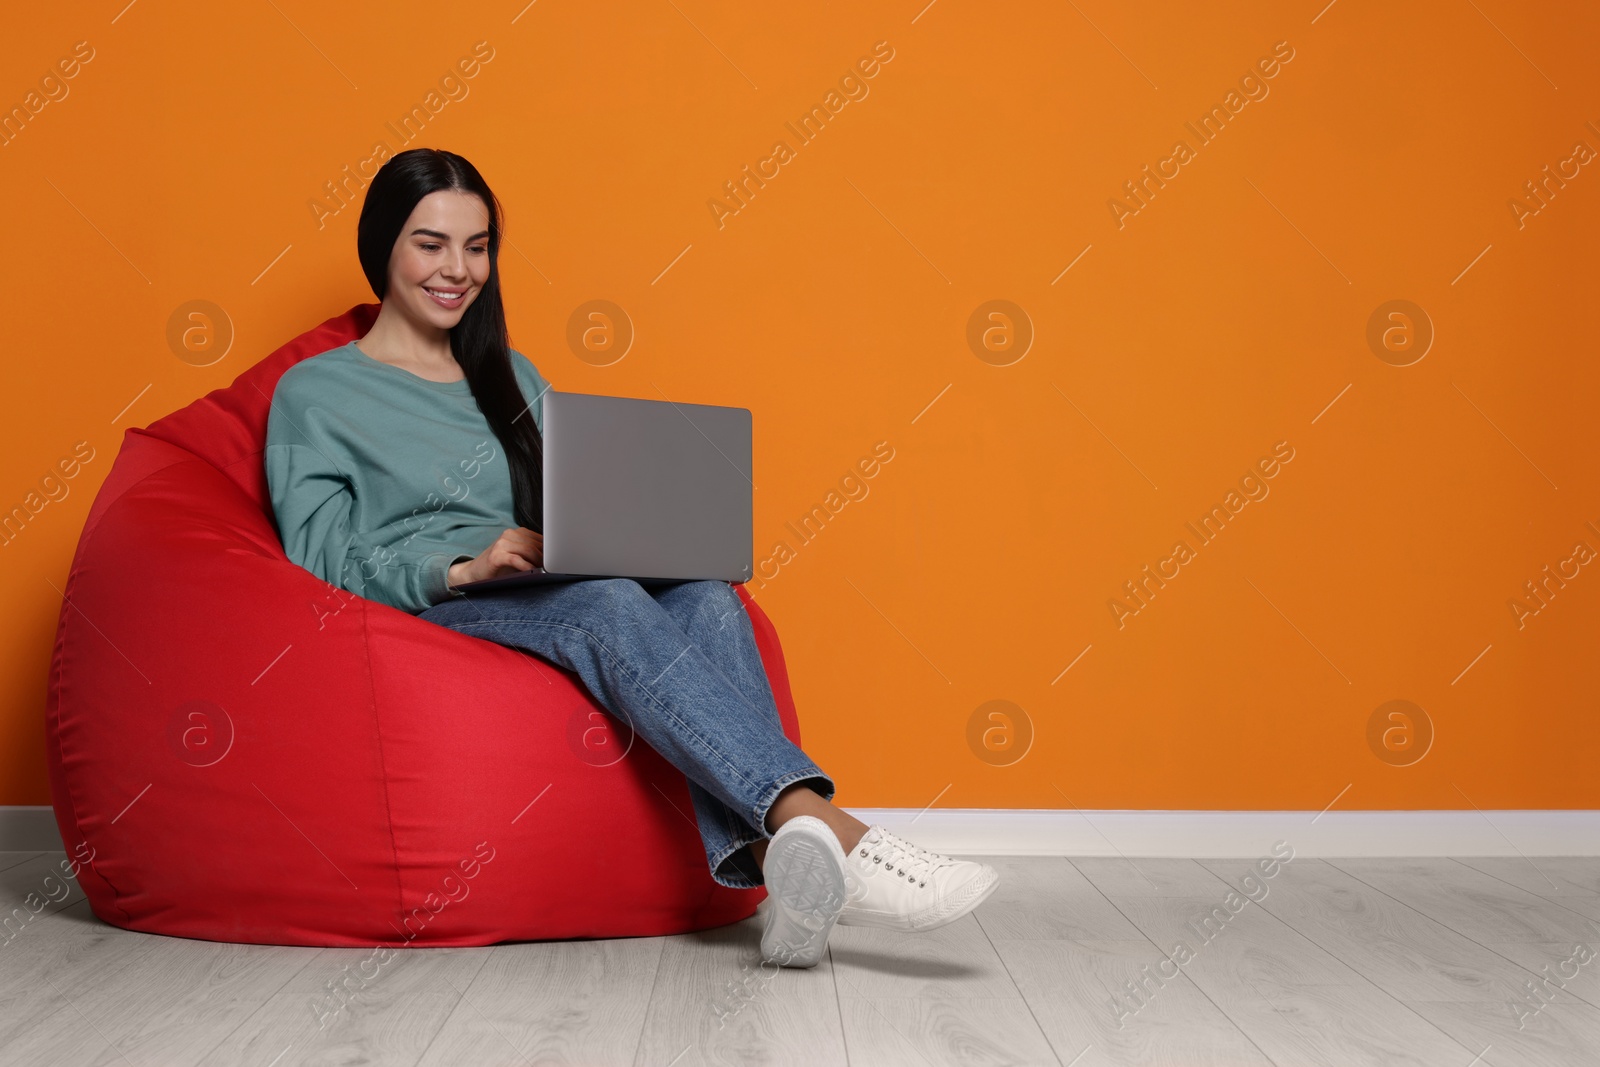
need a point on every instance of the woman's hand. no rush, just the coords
(515, 550)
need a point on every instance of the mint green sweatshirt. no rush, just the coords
(381, 479)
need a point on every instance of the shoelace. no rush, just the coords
(905, 859)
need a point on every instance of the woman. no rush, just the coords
(408, 462)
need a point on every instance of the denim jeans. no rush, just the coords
(676, 665)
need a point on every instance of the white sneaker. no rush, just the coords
(804, 874)
(899, 886)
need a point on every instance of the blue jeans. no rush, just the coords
(676, 665)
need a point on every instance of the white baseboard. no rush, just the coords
(1198, 834)
(1245, 834)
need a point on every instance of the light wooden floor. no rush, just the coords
(1343, 962)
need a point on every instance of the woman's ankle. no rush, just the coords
(850, 835)
(801, 800)
(846, 828)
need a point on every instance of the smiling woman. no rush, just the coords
(352, 438)
(427, 274)
(353, 430)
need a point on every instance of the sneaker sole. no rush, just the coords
(964, 908)
(806, 892)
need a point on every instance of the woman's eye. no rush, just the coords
(480, 249)
(429, 247)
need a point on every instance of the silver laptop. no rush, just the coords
(654, 490)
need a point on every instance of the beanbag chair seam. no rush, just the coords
(59, 666)
(377, 727)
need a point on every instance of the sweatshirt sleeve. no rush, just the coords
(313, 501)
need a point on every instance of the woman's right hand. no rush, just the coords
(515, 550)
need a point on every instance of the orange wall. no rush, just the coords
(1187, 340)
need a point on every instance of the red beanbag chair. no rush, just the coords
(240, 751)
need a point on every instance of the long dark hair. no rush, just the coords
(480, 341)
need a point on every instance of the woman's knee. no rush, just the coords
(623, 589)
(717, 599)
(616, 598)
(715, 589)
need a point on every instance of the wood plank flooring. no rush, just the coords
(1471, 962)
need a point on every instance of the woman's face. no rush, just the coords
(441, 261)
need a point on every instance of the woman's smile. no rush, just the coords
(446, 297)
